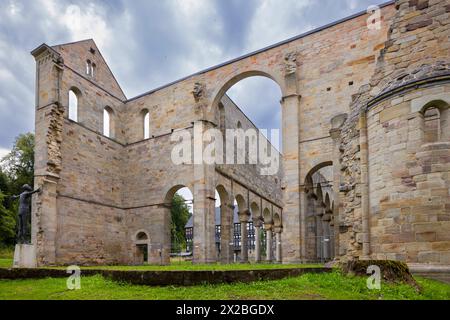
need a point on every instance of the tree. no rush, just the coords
(7, 223)
(16, 169)
(18, 165)
(180, 216)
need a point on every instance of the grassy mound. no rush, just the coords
(391, 271)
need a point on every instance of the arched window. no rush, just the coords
(73, 105)
(88, 67)
(108, 122)
(436, 121)
(93, 70)
(432, 125)
(239, 125)
(146, 123)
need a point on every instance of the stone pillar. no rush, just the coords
(204, 242)
(44, 221)
(226, 217)
(269, 241)
(365, 206)
(49, 122)
(243, 219)
(319, 234)
(258, 225)
(160, 251)
(303, 204)
(278, 256)
(327, 251)
(290, 106)
(335, 133)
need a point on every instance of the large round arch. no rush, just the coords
(234, 78)
(319, 229)
(178, 225)
(224, 222)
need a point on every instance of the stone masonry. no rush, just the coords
(364, 171)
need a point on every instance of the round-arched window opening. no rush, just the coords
(88, 67)
(108, 122)
(93, 70)
(145, 118)
(258, 98)
(141, 236)
(74, 97)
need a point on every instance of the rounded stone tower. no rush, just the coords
(396, 145)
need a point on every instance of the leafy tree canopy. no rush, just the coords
(180, 216)
(18, 165)
(16, 169)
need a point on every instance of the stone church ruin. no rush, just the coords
(365, 163)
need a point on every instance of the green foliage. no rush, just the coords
(4, 182)
(16, 169)
(180, 215)
(310, 286)
(7, 223)
(18, 165)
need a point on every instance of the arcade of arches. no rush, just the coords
(364, 171)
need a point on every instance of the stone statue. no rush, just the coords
(23, 229)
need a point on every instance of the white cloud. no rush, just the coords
(148, 43)
(193, 16)
(275, 21)
(88, 21)
(4, 152)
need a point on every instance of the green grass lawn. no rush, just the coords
(185, 266)
(310, 286)
(6, 263)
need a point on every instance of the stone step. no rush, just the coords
(438, 276)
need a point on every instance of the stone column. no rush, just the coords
(278, 256)
(326, 235)
(303, 209)
(335, 134)
(365, 206)
(319, 234)
(290, 106)
(258, 225)
(243, 219)
(268, 228)
(204, 242)
(226, 217)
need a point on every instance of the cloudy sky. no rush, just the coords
(148, 43)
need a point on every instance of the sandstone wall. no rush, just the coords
(393, 200)
(394, 183)
(409, 183)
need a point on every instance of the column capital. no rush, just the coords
(268, 225)
(244, 215)
(278, 229)
(258, 222)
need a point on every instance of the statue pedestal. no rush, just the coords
(24, 256)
